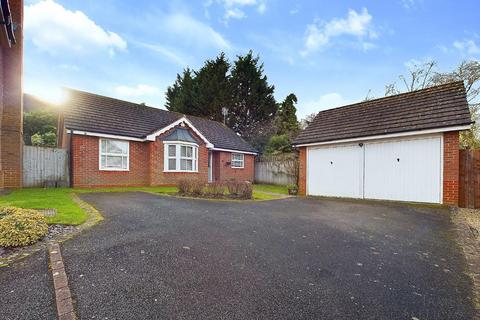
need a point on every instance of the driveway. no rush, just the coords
(166, 258)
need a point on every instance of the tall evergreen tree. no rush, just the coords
(211, 88)
(180, 95)
(253, 104)
(287, 116)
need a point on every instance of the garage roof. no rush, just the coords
(435, 107)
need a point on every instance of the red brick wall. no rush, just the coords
(86, 171)
(451, 167)
(302, 171)
(11, 109)
(223, 170)
(158, 177)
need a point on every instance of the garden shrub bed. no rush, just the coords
(235, 190)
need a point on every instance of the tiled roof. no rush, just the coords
(432, 108)
(95, 113)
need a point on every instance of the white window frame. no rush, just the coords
(178, 156)
(106, 154)
(239, 161)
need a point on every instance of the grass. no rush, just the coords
(270, 188)
(69, 213)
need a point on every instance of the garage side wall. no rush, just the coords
(302, 171)
(451, 168)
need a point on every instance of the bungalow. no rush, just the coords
(119, 143)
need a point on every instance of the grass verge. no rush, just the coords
(270, 188)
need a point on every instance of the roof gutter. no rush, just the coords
(386, 136)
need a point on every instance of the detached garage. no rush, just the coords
(402, 148)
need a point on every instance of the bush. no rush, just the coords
(278, 144)
(215, 189)
(190, 186)
(21, 227)
(243, 190)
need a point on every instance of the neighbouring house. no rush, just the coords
(11, 69)
(403, 147)
(119, 143)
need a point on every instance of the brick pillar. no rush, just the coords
(11, 134)
(302, 171)
(451, 167)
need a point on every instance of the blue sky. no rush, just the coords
(326, 52)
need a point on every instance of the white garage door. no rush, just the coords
(405, 170)
(335, 171)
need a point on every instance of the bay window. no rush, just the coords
(114, 155)
(237, 160)
(181, 157)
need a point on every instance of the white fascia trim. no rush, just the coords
(234, 151)
(387, 136)
(153, 136)
(101, 135)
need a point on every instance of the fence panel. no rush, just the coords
(281, 170)
(45, 167)
(469, 184)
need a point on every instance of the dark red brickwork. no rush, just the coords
(146, 165)
(11, 95)
(223, 170)
(451, 162)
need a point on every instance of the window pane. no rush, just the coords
(103, 162)
(189, 165)
(125, 162)
(103, 146)
(114, 161)
(114, 146)
(183, 164)
(172, 164)
(172, 150)
(189, 152)
(183, 151)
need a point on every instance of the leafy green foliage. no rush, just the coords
(287, 122)
(278, 144)
(43, 124)
(21, 227)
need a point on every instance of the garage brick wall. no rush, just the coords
(451, 157)
(302, 171)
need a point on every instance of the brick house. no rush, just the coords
(11, 68)
(119, 143)
(403, 147)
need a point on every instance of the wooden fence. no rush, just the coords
(45, 167)
(281, 169)
(469, 184)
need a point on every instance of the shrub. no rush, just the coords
(190, 186)
(243, 190)
(21, 227)
(215, 189)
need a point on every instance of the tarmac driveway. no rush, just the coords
(159, 257)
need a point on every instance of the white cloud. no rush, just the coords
(194, 31)
(137, 91)
(235, 9)
(467, 47)
(357, 24)
(168, 53)
(55, 29)
(326, 101)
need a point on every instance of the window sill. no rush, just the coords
(237, 167)
(179, 171)
(113, 169)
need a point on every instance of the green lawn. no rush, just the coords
(69, 213)
(270, 188)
